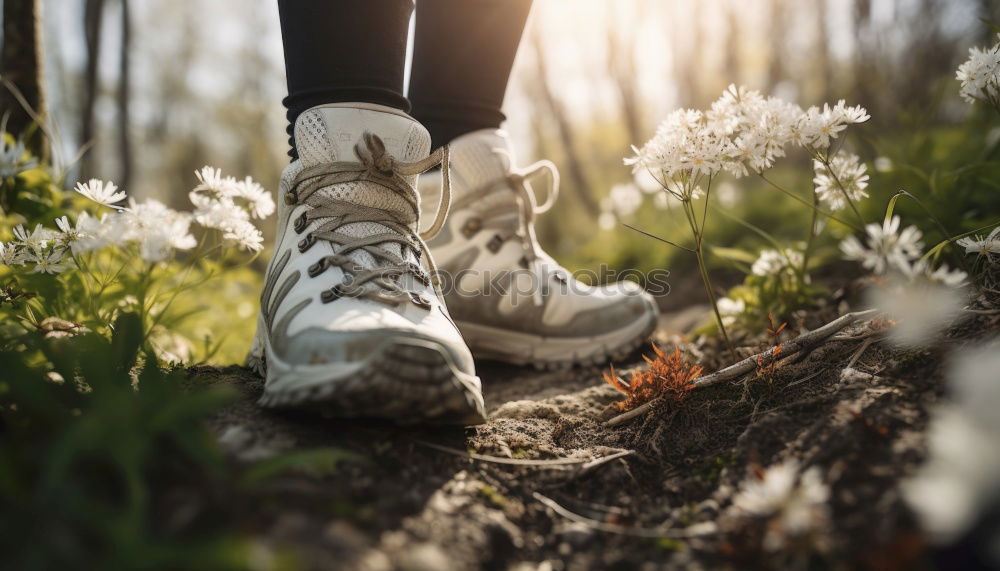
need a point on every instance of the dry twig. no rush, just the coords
(788, 348)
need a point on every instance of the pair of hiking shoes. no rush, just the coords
(363, 314)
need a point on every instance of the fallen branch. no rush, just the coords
(788, 348)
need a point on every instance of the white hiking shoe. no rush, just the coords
(350, 322)
(511, 301)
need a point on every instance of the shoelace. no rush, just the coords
(376, 166)
(517, 181)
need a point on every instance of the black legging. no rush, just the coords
(355, 50)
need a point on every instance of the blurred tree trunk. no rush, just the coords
(776, 31)
(863, 72)
(21, 66)
(989, 10)
(125, 97)
(577, 175)
(93, 17)
(621, 65)
(824, 69)
(687, 62)
(731, 66)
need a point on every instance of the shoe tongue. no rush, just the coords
(328, 134)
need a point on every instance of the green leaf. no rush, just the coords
(734, 254)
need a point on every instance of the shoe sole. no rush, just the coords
(407, 380)
(553, 353)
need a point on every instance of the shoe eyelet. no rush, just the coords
(523, 262)
(472, 227)
(495, 243)
(306, 243)
(332, 294)
(300, 223)
(291, 198)
(420, 301)
(317, 268)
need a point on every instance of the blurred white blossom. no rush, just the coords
(730, 309)
(796, 502)
(13, 160)
(960, 479)
(922, 310)
(773, 262)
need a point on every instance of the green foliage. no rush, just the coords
(106, 461)
(93, 443)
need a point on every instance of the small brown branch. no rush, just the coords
(789, 348)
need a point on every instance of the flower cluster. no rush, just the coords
(980, 75)
(743, 132)
(844, 174)
(890, 250)
(773, 262)
(156, 230)
(227, 204)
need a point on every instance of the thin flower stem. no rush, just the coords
(699, 254)
(811, 238)
(829, 215)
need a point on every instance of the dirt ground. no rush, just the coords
(544, 484)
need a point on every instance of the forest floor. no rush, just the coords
(545, 484)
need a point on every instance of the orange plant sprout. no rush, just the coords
(668, 378)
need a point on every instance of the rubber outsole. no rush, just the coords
(601, 355)
(406, 381)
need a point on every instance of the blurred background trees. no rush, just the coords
(156, 89)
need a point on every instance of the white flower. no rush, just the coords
(100, 192)
(818, 127)
(796, 503)
(11, 255)
(773, 262)
(980, 75)
(730, 309)
(109, 229)
(211, 179)
(259, 201)
(220, 213)
(52, 261)
(683, 150)
(984, 247)
(12, 158)
(623, 200)
(851, 174)
(921, 309)
(157, 229)
(245, 235)
(35, 240)
(887, 247)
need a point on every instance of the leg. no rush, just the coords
(343, 51)
(350, 320)
(463, 54)
(541, 316)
